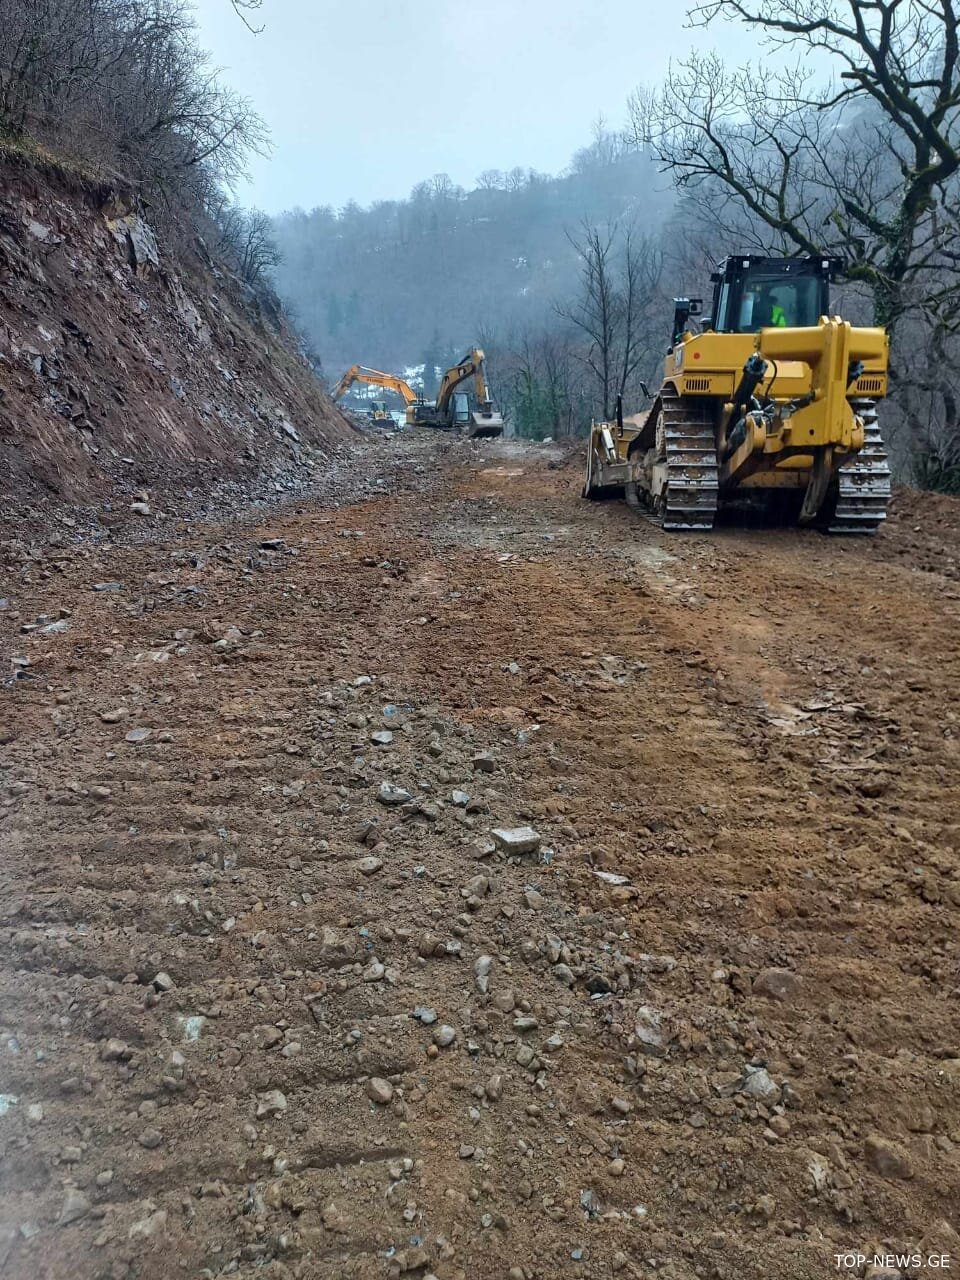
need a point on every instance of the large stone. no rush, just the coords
(391, 795)
(517, 840)
(648, 1032)
(337, 946)
(115, 1051)
(476, 888)
(379, 1090)
(777, 984)
(889, 1159)
(137, 240)
(75, 1206)
(759, 1084)
(270, 1103)
(151, 1225)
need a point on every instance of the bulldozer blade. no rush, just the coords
(484, 424)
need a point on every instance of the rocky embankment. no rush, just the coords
(132, 363)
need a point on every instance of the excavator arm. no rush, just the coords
(359, 373)
(346, 382)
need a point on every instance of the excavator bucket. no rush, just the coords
(484, 423)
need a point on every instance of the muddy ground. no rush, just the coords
(274, 1003)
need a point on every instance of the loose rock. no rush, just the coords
(379, 1090)
(391, 795)
(517, 840)
(271, 1103)
(777, 984)
(888, 1158)
(75, 1206)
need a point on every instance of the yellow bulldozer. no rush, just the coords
(768, 396)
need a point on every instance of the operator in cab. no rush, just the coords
(769, 310)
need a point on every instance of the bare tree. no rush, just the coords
(595, 312)
(641, 107)
(619, 276)
(244, 8)
(641, 269)
(246, 238)
(606, 149)
(862, 168)
(122, 85)
(539, 384)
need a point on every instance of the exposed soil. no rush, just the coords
(127, 365)
(707, 1028)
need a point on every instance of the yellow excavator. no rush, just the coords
(379, 413)
(770, 395)
(453, 409)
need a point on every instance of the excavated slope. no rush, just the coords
(126, 362)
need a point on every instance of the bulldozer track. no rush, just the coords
(692, 471)
(864, 481)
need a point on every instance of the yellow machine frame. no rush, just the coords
(779, 408)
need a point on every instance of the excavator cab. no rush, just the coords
(753, 293)
(459, 409)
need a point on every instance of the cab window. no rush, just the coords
(775, 301)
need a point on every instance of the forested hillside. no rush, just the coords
(414, 281)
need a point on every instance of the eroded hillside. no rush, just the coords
(126, 362)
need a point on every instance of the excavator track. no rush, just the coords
(864, 481)
(692, 472)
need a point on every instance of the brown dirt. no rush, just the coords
(755, 728)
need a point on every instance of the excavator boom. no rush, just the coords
(360, 373)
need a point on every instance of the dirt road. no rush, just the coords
(275, 1003)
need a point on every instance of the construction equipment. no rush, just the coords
(452, 410)
(378, 408)
(769, 396)
(380, 413)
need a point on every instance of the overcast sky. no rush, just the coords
(364, 98)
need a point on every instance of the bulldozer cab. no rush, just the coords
(753, 293)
